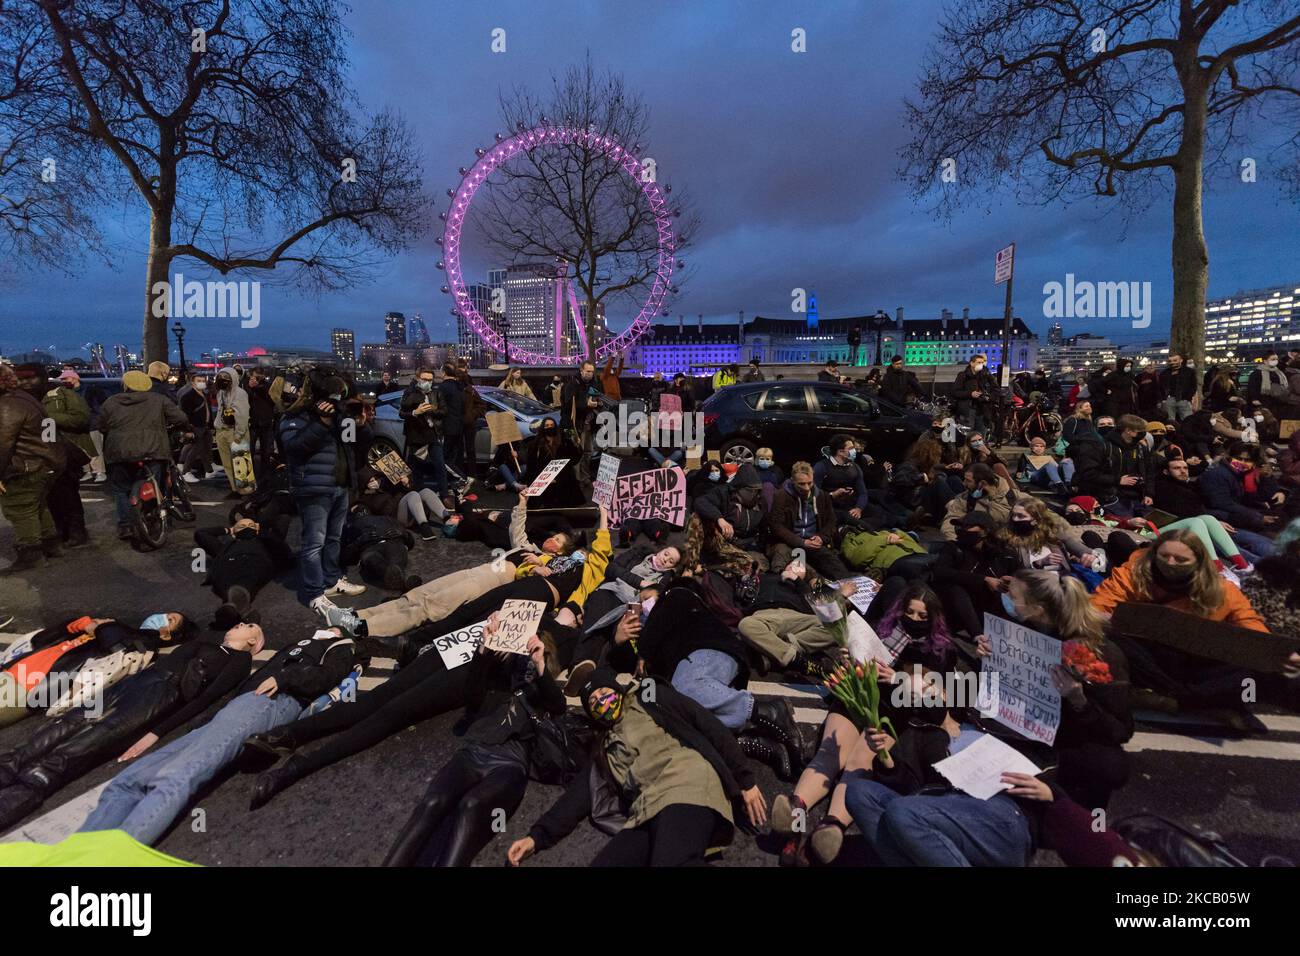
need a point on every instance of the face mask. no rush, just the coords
(1173, 577)
(914, 628)
(764, 462)
(607, 709)
(1022, 527)
(323, 636)
(853, 454)
(1259, 418)
(1271, 363)
(977, 444)
(1009, 606)
(372, 484)
(647, 606)
(969, 539)
(978, 367)
(201, 386)
(154, 622)
(245, 534)
(424, 386)
(1076, 518)
(223, 384)
(715, 476)
(977, 494)
(1240, 467)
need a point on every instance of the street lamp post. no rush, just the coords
(879, 322)
(179, 331)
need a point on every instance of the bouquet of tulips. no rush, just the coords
(858, 688)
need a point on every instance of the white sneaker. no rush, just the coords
(189, 478)
(322, 606)
(344, 586)
(101, 478)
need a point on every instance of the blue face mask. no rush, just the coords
(853, 454)
(763, 462)
(715, 476)
(154, 622)
(1009, 606)
(977, 493)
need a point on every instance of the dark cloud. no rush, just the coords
(790, 159)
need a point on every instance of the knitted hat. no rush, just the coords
(70, 376)
(1156, 428)
(159, 370)
(136, 381)
(1086, 502)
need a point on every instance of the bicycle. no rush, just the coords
(1034, 420)
(156, 503)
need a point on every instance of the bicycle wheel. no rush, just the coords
(181, 501)
(150, 518)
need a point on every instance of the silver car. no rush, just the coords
(528, 416)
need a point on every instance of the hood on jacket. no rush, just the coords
(232, 372)
(746, 477)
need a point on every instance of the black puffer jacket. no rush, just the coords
(22, 448)
(134, 425)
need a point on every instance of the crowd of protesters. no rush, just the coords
(660, 629)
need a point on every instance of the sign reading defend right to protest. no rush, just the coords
(1028, 701)
(656, 493)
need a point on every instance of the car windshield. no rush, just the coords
(516, 402)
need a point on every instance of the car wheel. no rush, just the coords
(379, 448)
(738, 451)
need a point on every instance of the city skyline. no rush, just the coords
(806, 197)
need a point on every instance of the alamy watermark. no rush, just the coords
(209, 300)
(624, 429)
(1098, 300)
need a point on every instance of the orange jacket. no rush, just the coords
(1119, 589)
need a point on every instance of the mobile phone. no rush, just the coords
(80, 624)
(635, 606)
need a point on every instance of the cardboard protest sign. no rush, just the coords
(657, 493)
(393, 468)
(1038, 461)
(602, 489)
(543, 481)
(503, 428)
(864, 592)
(458, 647)
(670, 403)
(715, 455)
(1238, 646)
(978, 768)
(1022, 660)
(1288, 427)
(517, 621)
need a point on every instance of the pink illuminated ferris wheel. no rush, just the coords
(488, 160)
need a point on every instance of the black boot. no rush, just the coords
(768, 752)
(77, 537)
(50, 547)
(811, 667)
(274, 781)
(16, 802)
(395, 647)
(26, 556)
(774, 720)
(261, 751)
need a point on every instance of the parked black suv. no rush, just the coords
(796, 419)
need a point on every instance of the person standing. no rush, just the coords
(423, 412)
(261, 421)
(754, 374)
(134, 424)
(29, 466)
(1177, 388)
(578, 405)
(232, 425)
(452, 393)
(898, 385)
(831, 373)
(475, 408)
(973, 391)
(514, 382)
(609, 377)
(194, 403)
(71, 416)
(322, 474)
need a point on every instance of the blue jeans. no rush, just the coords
(1053, 473)
(705, 677)
(676, 456)
(322, 536)
(1253, 544)
(949, 830)
(147, 796)
(1176, 409)
(433, 466)
(121, 478)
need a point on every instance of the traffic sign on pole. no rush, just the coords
(1004, 264)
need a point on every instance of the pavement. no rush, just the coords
(1248, 791)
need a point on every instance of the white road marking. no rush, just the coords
(60, 822)
(1266, 749)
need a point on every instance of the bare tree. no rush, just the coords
(49, 183)
(233, 121)
(1060, 98)
(574, 205)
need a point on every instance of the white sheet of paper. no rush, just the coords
(978, 769)
(865, 644)
(459, 647)
(543, 481)
(517, 621)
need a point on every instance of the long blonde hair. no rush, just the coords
(1206, 592)
(1046, 530)
(1062, 603)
